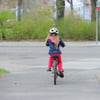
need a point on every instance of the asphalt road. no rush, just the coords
(29, 80)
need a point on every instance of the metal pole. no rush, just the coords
(54, 9)
(83, 9)
(97, 26)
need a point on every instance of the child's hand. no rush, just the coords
(48, 35)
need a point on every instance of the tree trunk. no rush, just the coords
(19, 9)
(71, 4)
(93, 4)
(60, 8)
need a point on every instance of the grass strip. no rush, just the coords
(3, 72)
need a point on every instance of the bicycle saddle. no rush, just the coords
(55, 57)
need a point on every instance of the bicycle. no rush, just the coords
(55, 69)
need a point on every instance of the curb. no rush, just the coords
(32, 44)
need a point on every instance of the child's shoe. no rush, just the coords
(49, 69)
(61, 74)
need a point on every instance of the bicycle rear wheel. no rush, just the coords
(55, 76)
(55, 71)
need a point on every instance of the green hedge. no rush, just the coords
(71, 28)
(76, 29)
(29, 30)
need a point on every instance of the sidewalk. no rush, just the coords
(32, 43)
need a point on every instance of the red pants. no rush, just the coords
(58, 60)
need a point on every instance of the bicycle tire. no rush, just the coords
(55, 72)
(55, 76)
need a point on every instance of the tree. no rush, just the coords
(93, 4)
(11, 3)
(19, 3)
(60, 8)
(4, 16)
(25, 3)
(71, 4)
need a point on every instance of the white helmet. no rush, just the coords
(54, 30)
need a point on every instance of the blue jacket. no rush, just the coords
(52, 48)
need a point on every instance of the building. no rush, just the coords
(81, 7)
(84, 9)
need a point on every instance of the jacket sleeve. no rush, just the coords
(47, 43)
(62, 43)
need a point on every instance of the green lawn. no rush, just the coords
(3, 72)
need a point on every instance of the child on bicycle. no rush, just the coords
(54, 43)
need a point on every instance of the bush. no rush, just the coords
(29, 30)
(36, 27)
(31, 27)
(4, 16)
(0, 33)
(75, 28)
